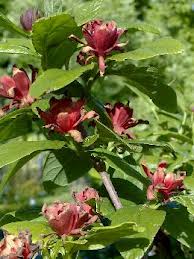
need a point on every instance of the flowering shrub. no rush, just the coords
(84, 137)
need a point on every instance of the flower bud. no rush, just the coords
(68, 219)
(122, 119)
(28, 18)
(14, 247)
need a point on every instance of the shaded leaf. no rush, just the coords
(14, 114)
(187, 201)
(50, 39)
(15, 167)
(16, 127)
(179, 224)
(65, 166)
(149, 82)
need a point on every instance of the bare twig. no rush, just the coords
(111, 190)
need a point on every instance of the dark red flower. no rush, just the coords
(14, 247)
(68, 219)
(165, 184)
(65, 115)
(16, 88)
(101, 38)
(122, 118)
(28, 18)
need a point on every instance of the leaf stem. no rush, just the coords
(111, 190)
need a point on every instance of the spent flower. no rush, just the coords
(67, 218)
(14, 247)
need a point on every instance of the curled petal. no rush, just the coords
(22, 83)
(7, 87)
(158, 178)
(151, 193)
(76, 135)
(147, 171)
(169, 180)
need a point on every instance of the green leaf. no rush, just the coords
(14, 169)
(149, 82)
(90, 140)
(137, 244)
(10, 26)
(88, 11)
(15, 150)
(179, 224)
(163, 46)
(18, 46)
(65, 166)
(189, 180)
(55, 79)
(50, 39)
(140, 26)
(153, 144)
(37, 229)
(16, 127)
(100, 237)
(187, 201)
(14, 114)
(106, 134)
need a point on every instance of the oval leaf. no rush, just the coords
(159, 47)
(15, 150)
(55, 79)
(50, 39)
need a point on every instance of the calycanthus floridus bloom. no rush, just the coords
(16, 88)
(101, 39)
(163, 185)
(68, 219)
(66, 116)
(122, 119)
